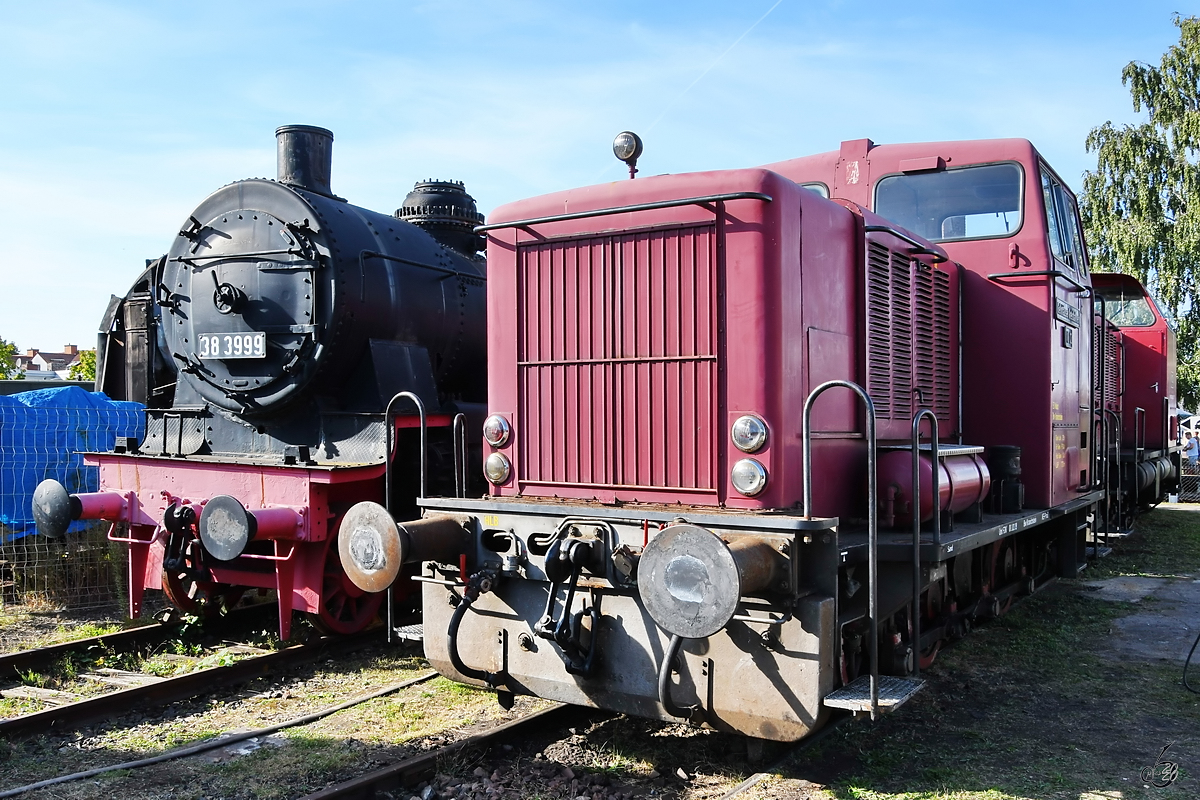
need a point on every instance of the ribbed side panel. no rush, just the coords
(943, 348)
(879, 329)
(1108, 351)
(617, 349)
(908, 335)
(889, 332)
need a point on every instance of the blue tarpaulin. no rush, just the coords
(43, 434)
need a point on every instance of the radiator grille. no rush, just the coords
(909, 340)
(617, 365)
(889, 332)
(1108, 351)
(932, 350)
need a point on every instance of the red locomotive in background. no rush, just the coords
(714, 490)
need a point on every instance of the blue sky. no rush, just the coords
(118, 118)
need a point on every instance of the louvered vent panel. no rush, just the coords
(944, 346)
(924, 340)
(902, 336)
(1108, 351)
(617, 371)
(890, 321)
(909, 342)
(879, 329)
(1112, 374)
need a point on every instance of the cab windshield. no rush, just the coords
(1127, 309)
(969, 203)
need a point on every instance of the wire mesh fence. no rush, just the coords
(1189, 483)
(44, 434)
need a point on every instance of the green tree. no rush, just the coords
(8, 361)
(85, 369)
(1141, 207)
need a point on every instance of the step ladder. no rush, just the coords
(871, 693)
(891, 693)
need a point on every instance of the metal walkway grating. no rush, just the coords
(410, 633)
(893, 693)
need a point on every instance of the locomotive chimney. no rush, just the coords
(305, 157)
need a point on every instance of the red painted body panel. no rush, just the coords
(293, 563)
(1020, 384)
(1149, 367)
(623, 347)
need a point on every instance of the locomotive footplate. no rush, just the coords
(897, 545)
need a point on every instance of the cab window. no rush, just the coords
(1127, 309)
(1062, 223)
(975, 202)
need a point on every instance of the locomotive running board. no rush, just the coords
(893, 693)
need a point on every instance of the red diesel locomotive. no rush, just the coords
(761, 440)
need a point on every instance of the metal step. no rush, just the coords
(893, 693)
(1104, 551)
(410, 633)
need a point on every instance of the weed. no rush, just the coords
(33, 678)
(15, 707)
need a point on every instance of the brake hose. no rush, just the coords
(1187, 663)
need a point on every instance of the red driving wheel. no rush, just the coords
(344, 608)
(199, 598)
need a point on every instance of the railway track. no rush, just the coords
(145, 636)
(139, 691)
(421, 767)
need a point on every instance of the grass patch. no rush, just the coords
(1034, 705)
(1166, 543)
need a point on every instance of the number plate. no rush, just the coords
(231, 345)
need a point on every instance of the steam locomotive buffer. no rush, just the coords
(297, 354)
(716, 490)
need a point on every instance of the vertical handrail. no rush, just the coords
(924, 413)
(388, 418)
(1100, 374)
(1097, 377)
(872, 513)
(389, 457)
(1166, 423)
(1105, 476)
(1139, 426)
(460, 455)
(1116, 439)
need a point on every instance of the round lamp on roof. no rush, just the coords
(627, 147)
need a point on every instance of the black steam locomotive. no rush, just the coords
(296, 354)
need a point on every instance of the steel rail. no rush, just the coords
(38, 658)
(181, 687)
(423, 766)
(221, 741)
(772, 769)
